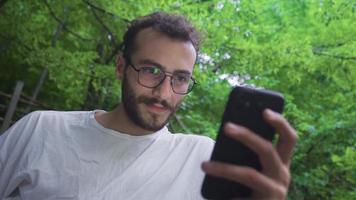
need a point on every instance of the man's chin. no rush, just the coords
(154, 122)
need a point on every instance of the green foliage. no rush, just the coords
(304, 49)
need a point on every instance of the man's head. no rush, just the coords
(173, 26)
(161, 44)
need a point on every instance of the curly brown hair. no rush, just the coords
(171, 25)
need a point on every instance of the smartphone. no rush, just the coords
(244, 107)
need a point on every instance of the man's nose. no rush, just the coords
(164, 90)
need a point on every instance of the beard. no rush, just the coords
(145, 120)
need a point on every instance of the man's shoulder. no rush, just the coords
(50, 119)
(198, 147)
(194, 139)
(53, 114)
(37, 125)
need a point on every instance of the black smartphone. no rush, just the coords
(244, 107)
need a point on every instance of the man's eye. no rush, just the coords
(182, 78)
(151, 70)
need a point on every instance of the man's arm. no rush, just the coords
(13, 145)
(273, 181)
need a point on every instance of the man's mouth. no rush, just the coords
(156, 104)
(157, 107)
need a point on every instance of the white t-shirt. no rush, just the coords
(69, 155)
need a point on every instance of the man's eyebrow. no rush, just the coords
(182, 71)
(151, 62)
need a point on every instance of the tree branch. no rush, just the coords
(311, 148)
(324, 46)
(25, 99)
(115, 46)
(319, 50)
(57, 33)
(4, 47)
(62, 23)
(181, 124)
(342, 180)
(112, 36)
(334, 56)
(17, 41)
(113, 53)
(91, 5)
(2, 3)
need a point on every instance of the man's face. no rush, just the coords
(151, 108)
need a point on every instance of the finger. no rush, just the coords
(247, 176)
(268, 156)
(287, 135)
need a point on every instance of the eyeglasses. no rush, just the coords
(152, 76)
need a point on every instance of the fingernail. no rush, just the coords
(229, 125)
(268, 112)
(233, 127)
(205, 165)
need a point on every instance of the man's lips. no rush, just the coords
(157, 107)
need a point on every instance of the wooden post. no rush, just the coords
(12, 107)
(37, 89)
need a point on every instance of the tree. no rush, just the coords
(304, 49)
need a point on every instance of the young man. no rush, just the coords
(128, 153)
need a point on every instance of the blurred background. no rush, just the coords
(60, 55)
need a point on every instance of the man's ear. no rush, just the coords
(120, 66)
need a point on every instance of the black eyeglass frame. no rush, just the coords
(128, 62)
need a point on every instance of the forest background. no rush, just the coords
(305, 49)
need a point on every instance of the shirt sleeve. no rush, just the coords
(14, 145)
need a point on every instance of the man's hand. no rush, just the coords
(273, 181)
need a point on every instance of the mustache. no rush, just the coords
(147, 100)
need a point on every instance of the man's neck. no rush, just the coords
(118, 120)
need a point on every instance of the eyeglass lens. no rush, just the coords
(181, 83)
